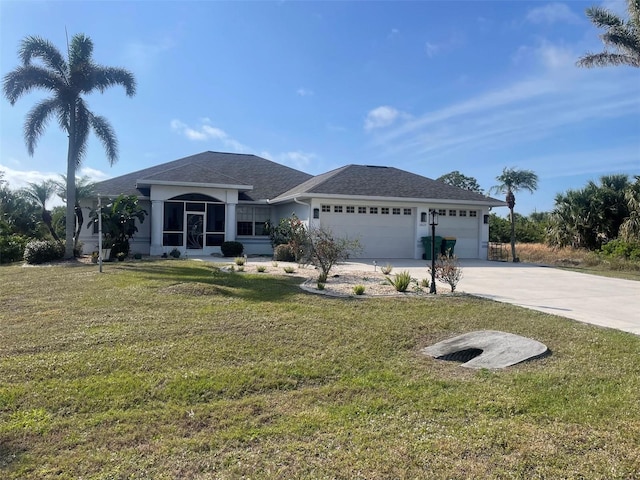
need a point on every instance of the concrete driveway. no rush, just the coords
(607, 302)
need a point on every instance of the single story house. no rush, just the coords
(197, 202)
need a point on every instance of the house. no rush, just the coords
(198, 202)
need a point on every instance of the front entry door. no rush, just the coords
(195, 231)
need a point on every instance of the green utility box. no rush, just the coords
(426, 243)
(448, 245)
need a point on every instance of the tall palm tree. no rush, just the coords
(511, 181)
(68, 80)
(622, 35)
(40, 193)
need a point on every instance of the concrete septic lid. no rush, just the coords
(487, 349)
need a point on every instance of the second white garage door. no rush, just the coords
(383, 232)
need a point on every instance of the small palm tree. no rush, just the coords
(68, 80)
(622, 35)
(512, 181)
(40, 193)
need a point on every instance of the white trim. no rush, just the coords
(367, 199)
(194, 184)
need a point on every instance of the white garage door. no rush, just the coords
(384, 232)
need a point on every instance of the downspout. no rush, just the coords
(308, 205)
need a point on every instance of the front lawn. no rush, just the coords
(173, 369)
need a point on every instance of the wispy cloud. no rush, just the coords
(558, 98)
(144, 55)
(433, 48)
(304, 92)
(205, 131)
(553, 13)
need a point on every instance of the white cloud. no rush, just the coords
(393, 33)
(548, 55)
(431, 49)
(297, 159)
(382, 116)
(17, 179)
(305, 92)
(552, 13)
(20, 178)
(205, 131)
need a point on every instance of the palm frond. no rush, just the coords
(603, 18)
(606, 59)
(37, 47)
(105, 133)
(36, 122)
(80, 51)
(105, 77)
(81, 130)
(24, 79)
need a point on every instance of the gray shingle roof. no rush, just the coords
(269, 179)
(374, 181)
(272, 181)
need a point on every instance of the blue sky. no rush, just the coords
(429, 87)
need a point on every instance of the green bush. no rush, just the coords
(40, 251)
(232, 249)
(621, 249)
(12, 248)
(358, 289)
(401, 281)
(284, 253)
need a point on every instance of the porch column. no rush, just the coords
(230, 224)
(157, 219)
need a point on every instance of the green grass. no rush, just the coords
(173, 369)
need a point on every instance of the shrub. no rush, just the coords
(621, 249)
(175, 253)
(261, 268)
(40, 251)
(284, 253)
(401, 281)
(448, 270)
(386, 270)
(424, 283)
(12, 248)
(358, 289)
(320, 285)
(232, 249)
(324, 251)
(239, 261)
(289, 269)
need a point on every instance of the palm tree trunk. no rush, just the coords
(513, 237)
(79, 222)
(46, 218)
(71, 186)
